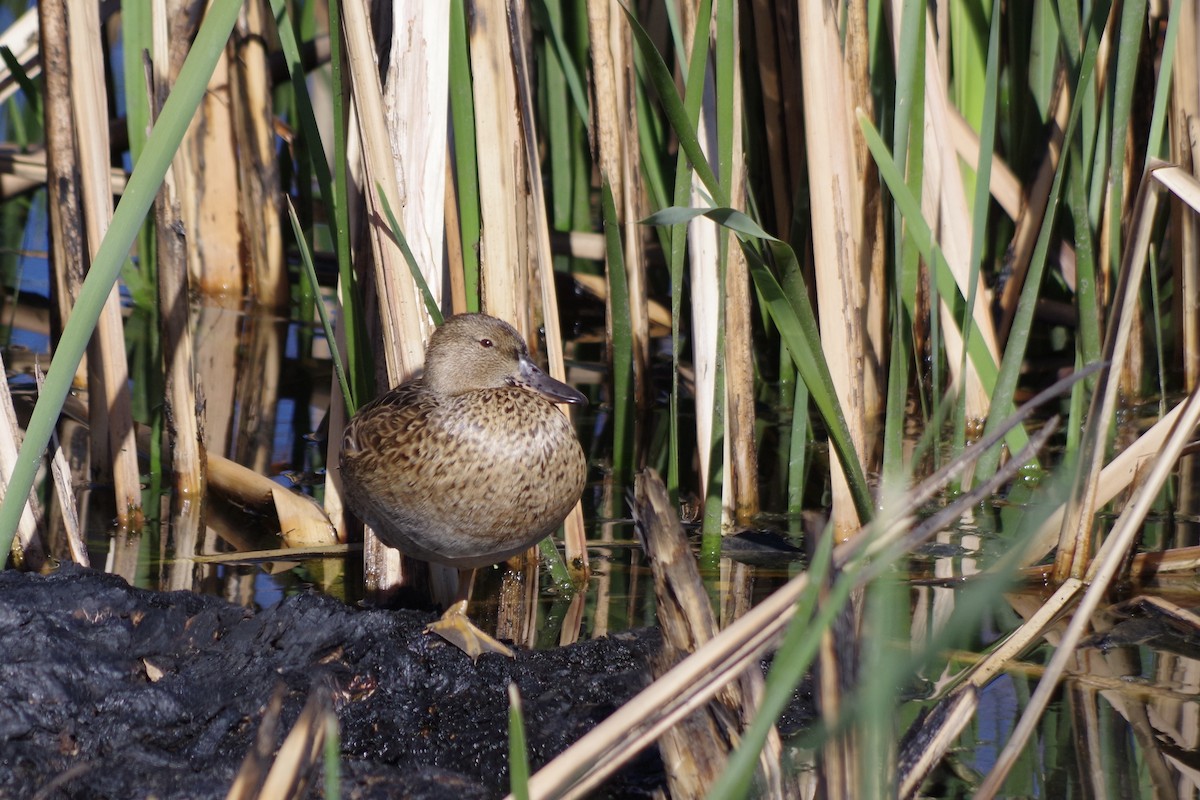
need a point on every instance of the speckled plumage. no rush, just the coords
(469, 463)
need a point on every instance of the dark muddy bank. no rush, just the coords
(81, 716)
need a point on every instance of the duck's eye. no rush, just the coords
(486, 343)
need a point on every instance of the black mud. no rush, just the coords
(81, 717)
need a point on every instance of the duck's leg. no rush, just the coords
(456, 628)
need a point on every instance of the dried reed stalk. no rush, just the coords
(28, 550)
(703, 255)
(504, 267)
(253, 129)
(619, 157)
(416, 111)
(1184, 130)
(67, 257)
(24, 39)
(64, 489)
(334, 504)
(207, 176)
(183, 432)
(111, 407)
(184, 438)
(23, 169)
(404, 322)
(845, 230)
(741, 485)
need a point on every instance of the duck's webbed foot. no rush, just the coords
(457, 629)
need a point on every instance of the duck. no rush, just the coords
(467, 464)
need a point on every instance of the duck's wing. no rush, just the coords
(387, 417)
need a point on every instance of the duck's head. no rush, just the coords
(470, 352)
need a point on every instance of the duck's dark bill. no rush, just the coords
(543, 384)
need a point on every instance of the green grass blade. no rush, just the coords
(676, 234)
(518, 755)
(1005, 386)
(139, 195)
(1127, 51)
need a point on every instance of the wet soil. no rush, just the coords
(108, 691)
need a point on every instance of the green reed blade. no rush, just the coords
(1005, 386)
(549, 15)
(462, 115)
(797, 325)
(678, 114)
(908, 145)
(922, 236)
(431, 305)
(979, 216)
(676, 234)
(32, 95)
(622, 346)
(310, 271)
(360, 360)
(127, 219)
(332, 758)
(1162, 90)
(1128, 48)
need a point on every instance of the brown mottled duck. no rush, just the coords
(467, 464)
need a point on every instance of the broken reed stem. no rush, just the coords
(110, 400)
(29, 549)
(697, 749)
